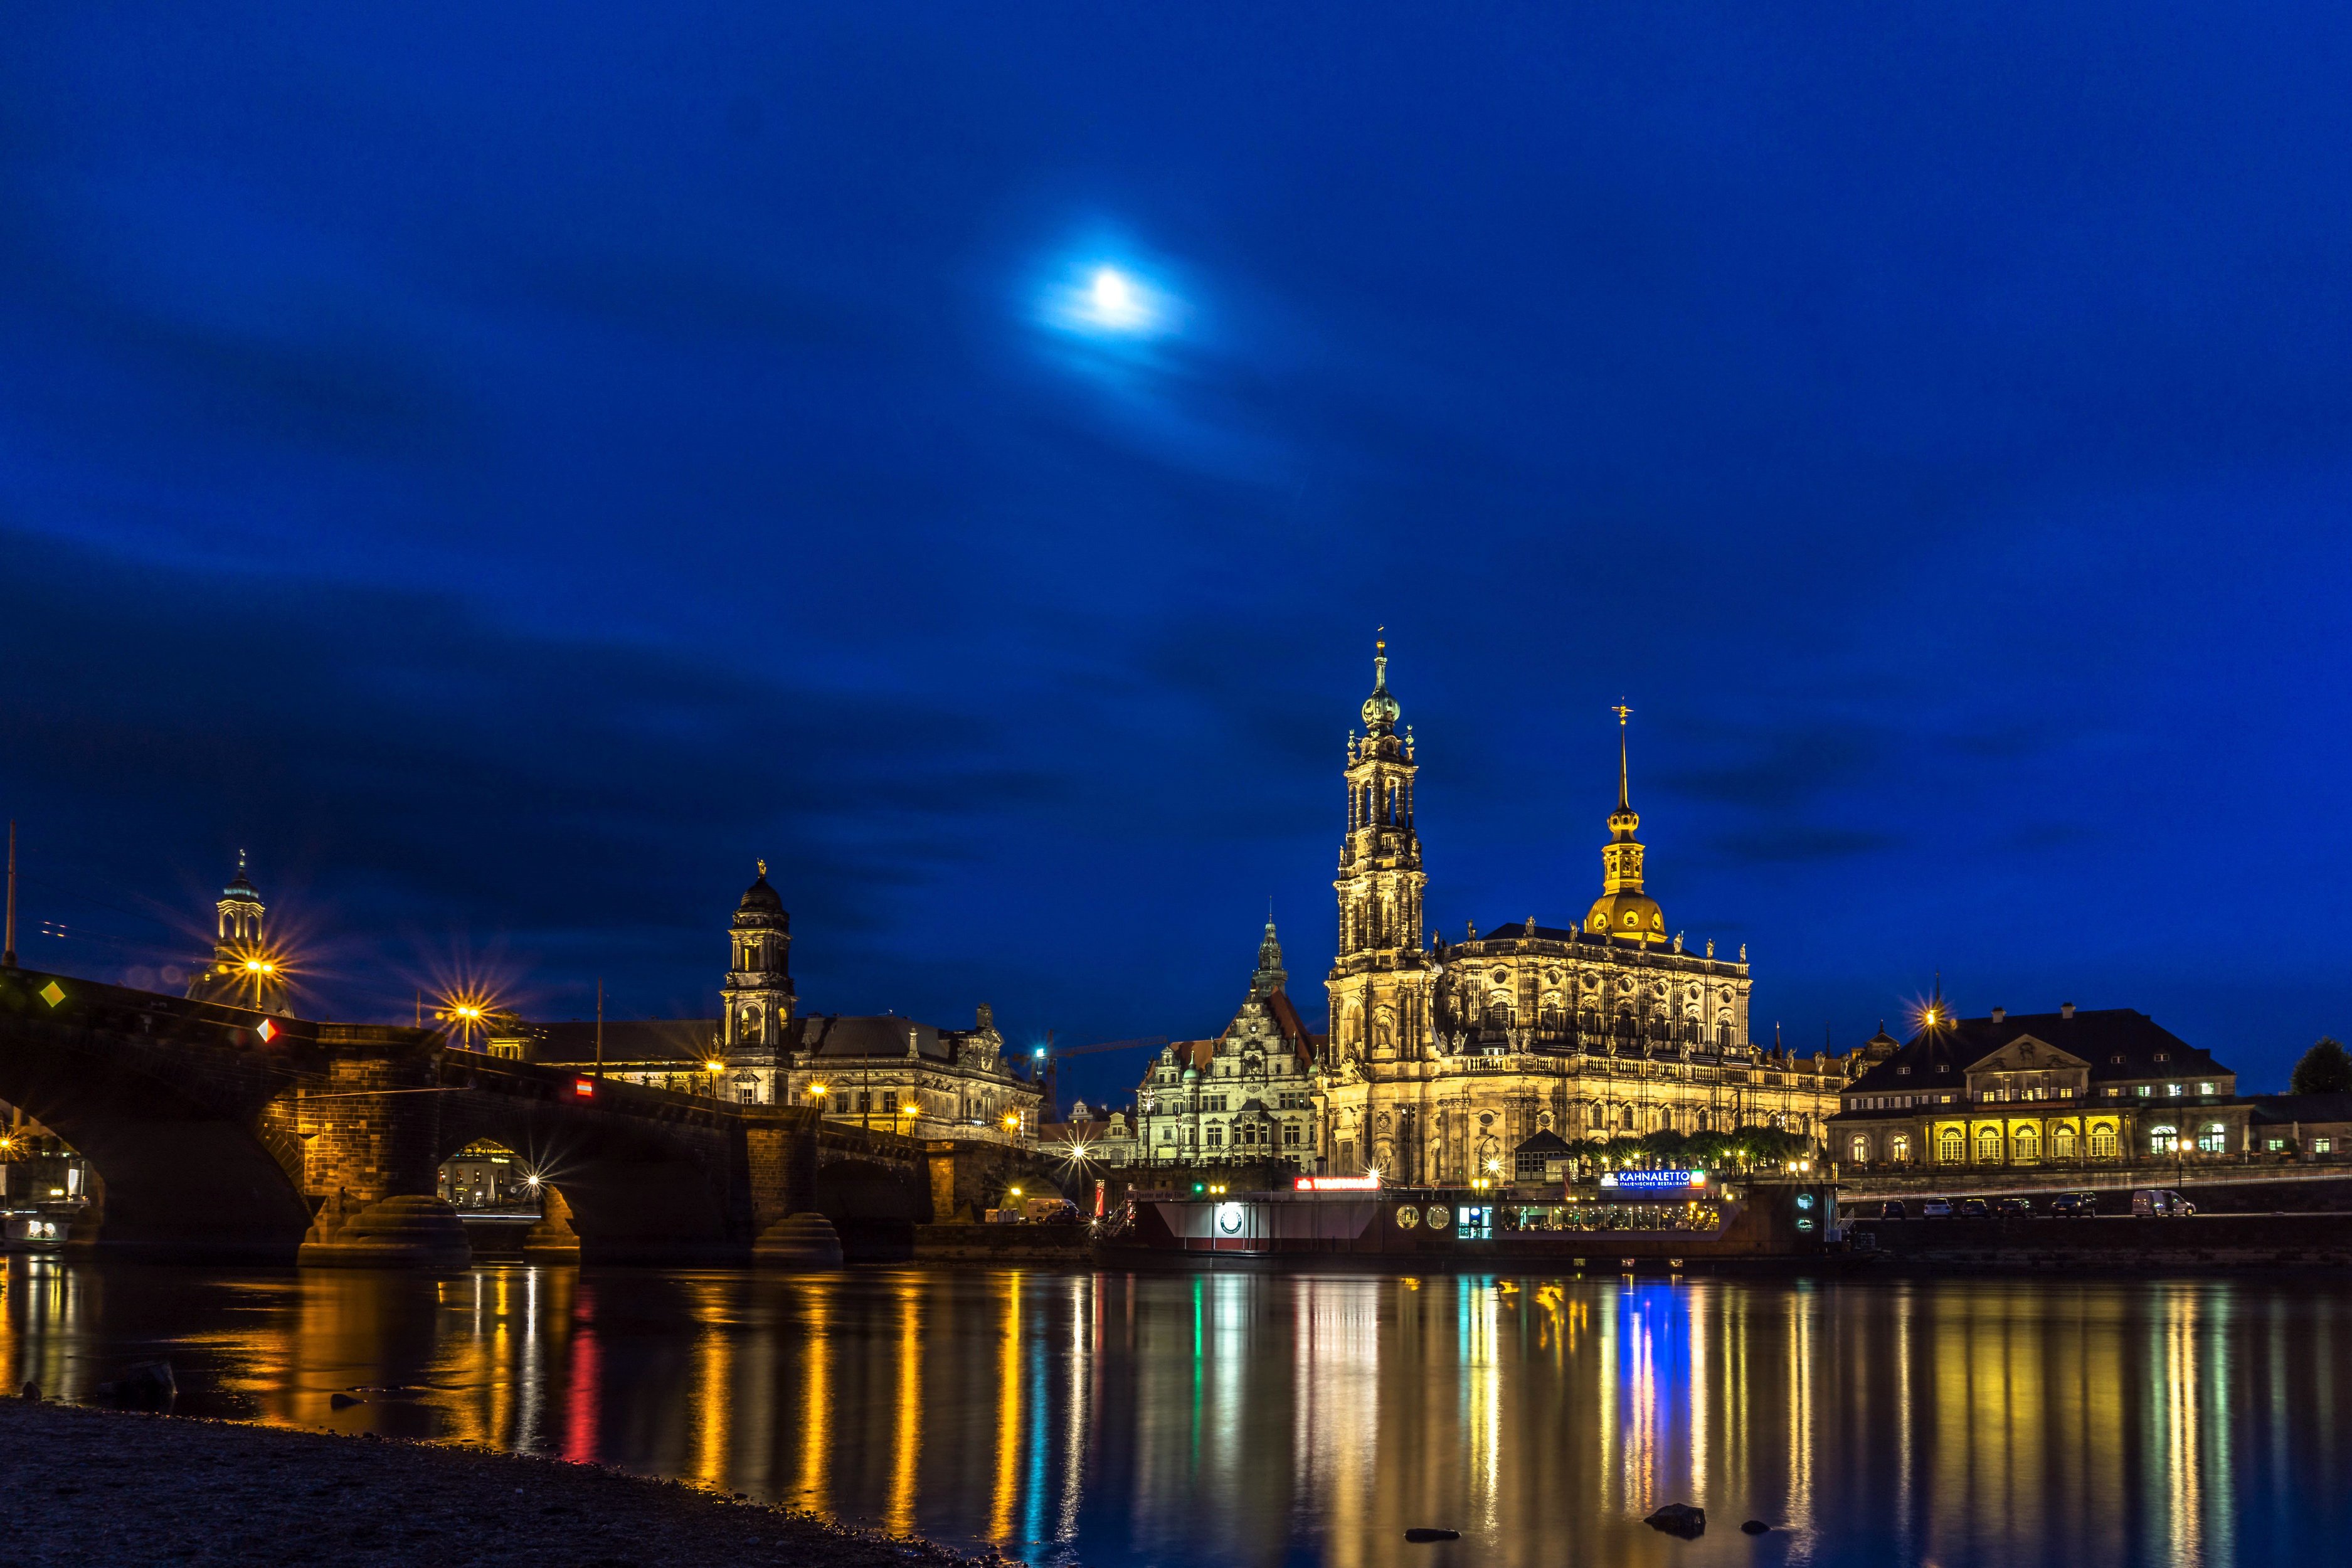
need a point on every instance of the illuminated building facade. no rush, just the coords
(1247, 1095)
(886, 1073)
(2069, 1087)
(245, 971)
(1442, 1060)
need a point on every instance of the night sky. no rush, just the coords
(508, 472)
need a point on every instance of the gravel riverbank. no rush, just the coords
(87, 1486)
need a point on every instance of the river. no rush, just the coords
(1248, 1419)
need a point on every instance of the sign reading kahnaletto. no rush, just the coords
(1652, 1181)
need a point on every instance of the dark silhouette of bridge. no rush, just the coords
(216, 1132)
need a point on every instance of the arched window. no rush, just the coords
(2062, 1143)
(2163, 1139)
(2102, 1143)
(2027, 1145)
(1861, 1149)
(1899, 1148)
(2213, 1139)
(1951, 1149)
(1988, 1145)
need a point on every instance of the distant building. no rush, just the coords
(245, 971)
(1247, 1095)
(886, 1072)
(1090, 1138)
(2068, 1088)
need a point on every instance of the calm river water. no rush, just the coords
(1262, 1418)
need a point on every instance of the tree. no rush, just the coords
(2325, 1068)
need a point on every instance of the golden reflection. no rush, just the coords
(907, 1436)
(713, 1348)
(813, 1488)
(1008, 1414)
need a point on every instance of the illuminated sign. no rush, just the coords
(1339, 1183)
(1229, 1219)
(267, 1030)
(585, 1088)
(1654, 1181)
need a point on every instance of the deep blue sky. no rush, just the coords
(508, 471)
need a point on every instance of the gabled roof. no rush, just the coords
(1545, 1141)
(1293, 1028)
(2118, 1042)
(2026, 1053)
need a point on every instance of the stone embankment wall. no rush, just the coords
(2198, 1244)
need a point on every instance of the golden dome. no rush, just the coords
(1630, 913)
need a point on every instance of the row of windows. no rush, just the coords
(2024, 1144)
(1248, 1134)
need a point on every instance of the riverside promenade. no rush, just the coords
(99, 1486)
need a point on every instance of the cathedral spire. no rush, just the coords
(1381, 709)
(1624, 795)
(1623, 909)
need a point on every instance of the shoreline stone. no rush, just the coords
(96, 1485)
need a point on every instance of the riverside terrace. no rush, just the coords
(216, 1132)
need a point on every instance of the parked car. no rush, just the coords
(1892, 1209)
(2160, 1203)
(1936, 1209)
(2074, 1206)
(2015, 1206)
(1975, 1208)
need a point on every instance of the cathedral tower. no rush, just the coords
(1379, 984)
(756, 1002)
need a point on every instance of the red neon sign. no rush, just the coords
(1339, 1183)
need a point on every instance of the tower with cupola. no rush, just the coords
(245, 971)
(756, 1000)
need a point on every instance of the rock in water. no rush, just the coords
(1754, 1527)
(1679, 1519)
(343, 1402)
(147, 1385)
(33, 1393)
(1424, 1533)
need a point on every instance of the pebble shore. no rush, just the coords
(90, 1486)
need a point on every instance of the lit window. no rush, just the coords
(2273, 1145)
(2323, 1145)
(2145, 1089)
(2205, 1088)
(2173, 1090)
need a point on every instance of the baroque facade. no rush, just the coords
(1442, 1060)
(1247, 1095)
(887, 1073)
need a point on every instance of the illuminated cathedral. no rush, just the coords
(1442, 1058)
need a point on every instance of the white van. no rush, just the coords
(2160, 1203)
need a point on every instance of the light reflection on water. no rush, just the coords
(1258, 1418)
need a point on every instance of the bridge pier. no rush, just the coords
(779, 1164)
(369, 1134)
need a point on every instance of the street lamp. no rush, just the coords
(714, 1067)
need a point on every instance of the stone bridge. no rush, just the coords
(216, 1133)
